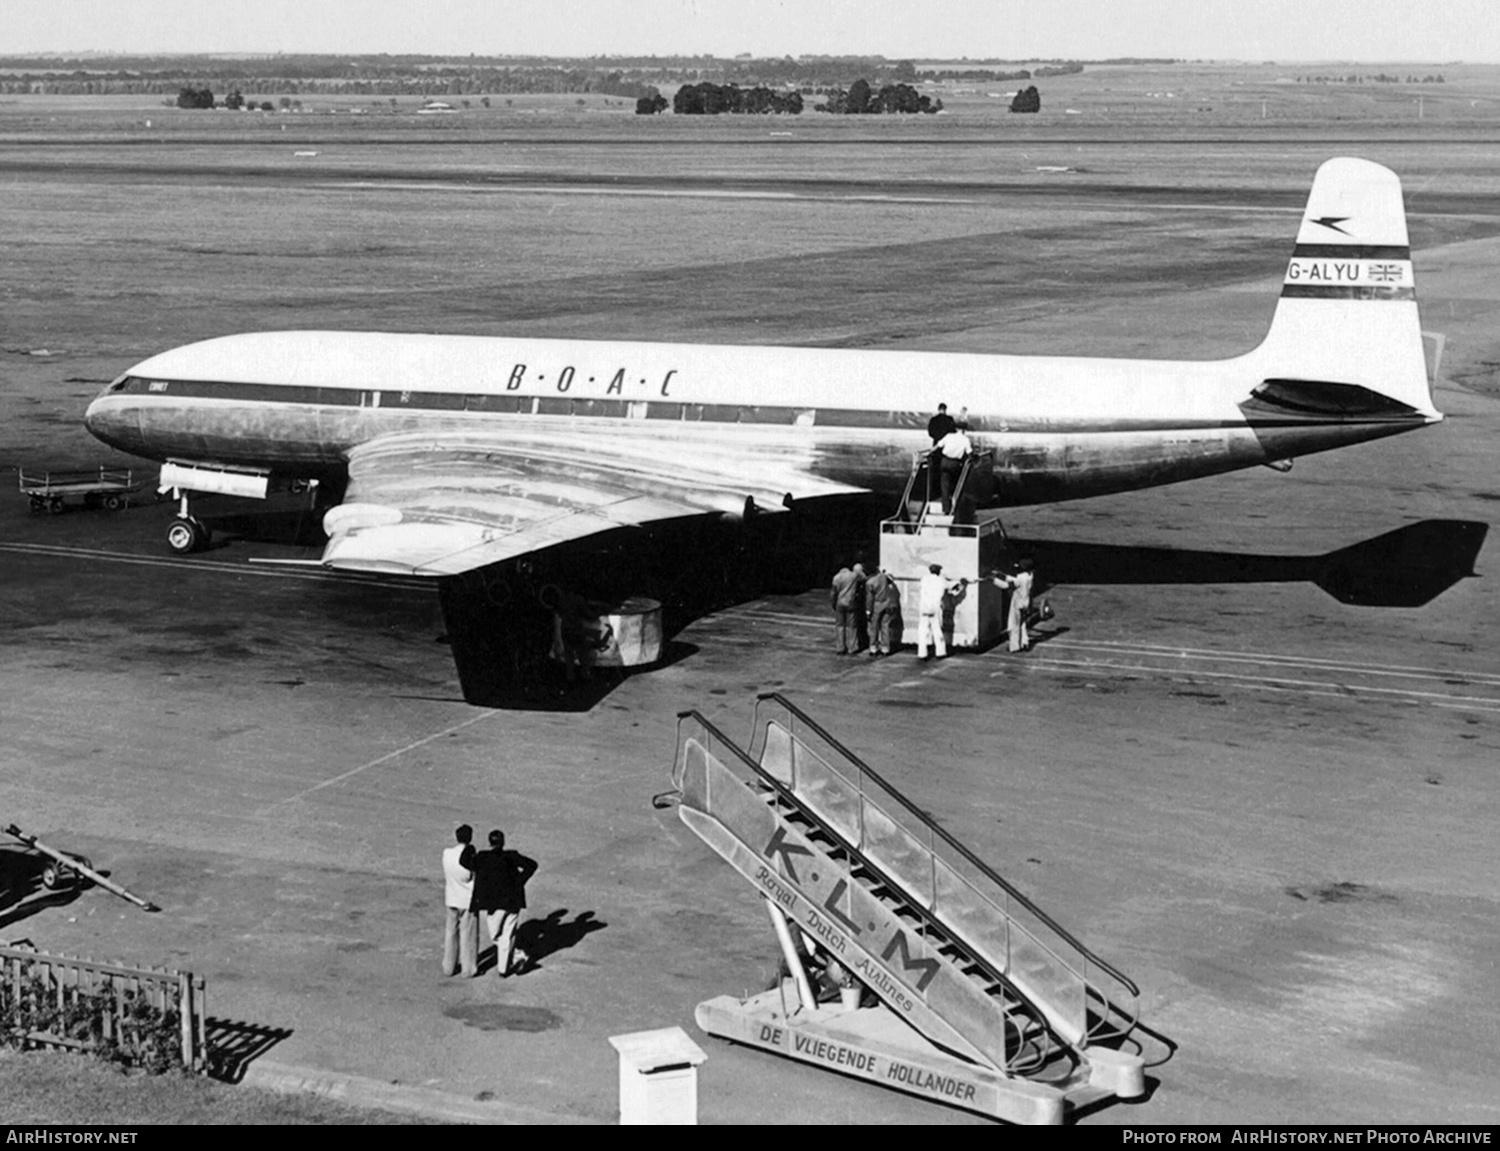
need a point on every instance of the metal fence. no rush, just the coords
(64, 1001)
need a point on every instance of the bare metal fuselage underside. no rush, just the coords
(1033, 465)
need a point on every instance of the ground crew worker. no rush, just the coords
(954, 449)
(847, 595)
(931, 593)
(940, 425)
(883, 596)
(1019, 582)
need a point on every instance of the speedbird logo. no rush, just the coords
(1332, 222)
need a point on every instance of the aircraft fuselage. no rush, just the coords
(1061, 428)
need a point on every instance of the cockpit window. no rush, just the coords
(134, 385)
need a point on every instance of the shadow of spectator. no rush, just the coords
(539, 938)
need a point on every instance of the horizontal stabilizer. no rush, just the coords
(1321, 400)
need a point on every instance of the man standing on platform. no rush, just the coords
(937, 427)
(940, 425)
(954, 448)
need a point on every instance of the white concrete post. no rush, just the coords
(658, 1077)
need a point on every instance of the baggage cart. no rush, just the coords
(109, 488)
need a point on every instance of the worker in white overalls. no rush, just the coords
(1019, 582)
(932, 591)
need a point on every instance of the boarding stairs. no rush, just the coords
(921, 501)
(1007, 1001)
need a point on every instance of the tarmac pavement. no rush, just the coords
(1273, 809)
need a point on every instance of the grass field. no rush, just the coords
(56, 1088)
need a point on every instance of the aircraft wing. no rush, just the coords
(439, 504)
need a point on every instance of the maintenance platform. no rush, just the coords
(928, 529)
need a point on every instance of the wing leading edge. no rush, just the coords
(440, 504)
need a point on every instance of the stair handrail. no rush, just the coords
(927, 905)
(979, 864)
(791, 798)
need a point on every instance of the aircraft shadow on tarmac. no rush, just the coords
(552, 933)
(501, 636)
(233, 1045)
(295, 528)
(546, 689)
(1408, 567)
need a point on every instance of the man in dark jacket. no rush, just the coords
(847, 595)
(500, 893)
(941, 424)
(883, 595)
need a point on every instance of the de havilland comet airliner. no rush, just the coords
(461, 452)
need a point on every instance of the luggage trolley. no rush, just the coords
(109, 488)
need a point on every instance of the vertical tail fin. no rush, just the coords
(1348, 307)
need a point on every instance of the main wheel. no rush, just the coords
(183, 536)
(56, 506)
(115, 502)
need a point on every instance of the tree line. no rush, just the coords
(1378, 78)
(709, 99)
(862, 100)
(630, 77)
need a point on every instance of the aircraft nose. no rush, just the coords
(95, 417)
(112, 419)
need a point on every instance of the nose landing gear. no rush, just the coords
(186, 534)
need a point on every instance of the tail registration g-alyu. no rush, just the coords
(462, 452)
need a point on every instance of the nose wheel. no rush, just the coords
(186, 534)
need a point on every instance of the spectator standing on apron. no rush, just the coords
(500, 895)
(460, 929)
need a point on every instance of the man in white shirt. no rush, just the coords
(1020, 583)
(461, 928)
(954, 449)
(931, 592)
